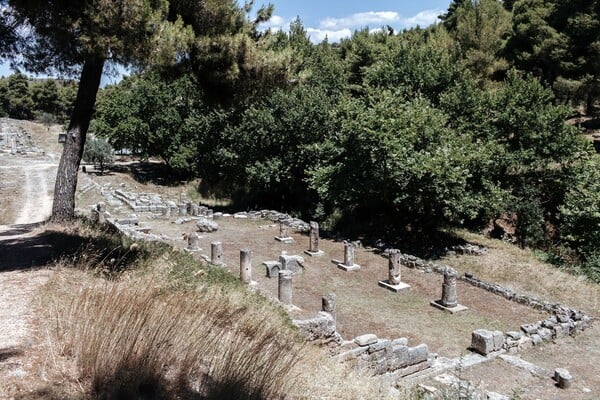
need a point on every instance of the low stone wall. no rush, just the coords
(142, 202)
(384, 356)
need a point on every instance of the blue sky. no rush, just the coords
(338, 19)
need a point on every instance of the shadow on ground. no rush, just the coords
(21, 247)
(36, 250)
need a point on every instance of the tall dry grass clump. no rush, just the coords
(133, 338)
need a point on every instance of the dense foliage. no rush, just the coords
(48, 100)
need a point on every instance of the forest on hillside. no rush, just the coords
(459, 124)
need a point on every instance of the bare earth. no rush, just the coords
(27, 183)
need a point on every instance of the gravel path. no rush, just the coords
(31, 197)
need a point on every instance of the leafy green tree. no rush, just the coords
(99, 152)
(265, 152)
(396, 162)
(45, 96)
(146, 114)
(535, 152)
(481, 29)
(67, 93)
(559, 41)
(3, 97)
(417, 63)
(20, 104)
(580, 216)
(213, 38)
(450, 18)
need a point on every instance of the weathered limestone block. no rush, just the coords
(320, 327)
(394, 267)
(348, 264)
(291, 263)
(563, 378)
(284, 235)
(366, 340)
(313, 240)
(529, 329)
(351, 354)
(485, 342)
(206, 225)
(545, 333)
(272, 268)
(246, 266)
(193, 240)
(449, 288)
(381, 345)
(284, 288)
(394, 281)
(418, 354)
(328, 303)
(216, 253)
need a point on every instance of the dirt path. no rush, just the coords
(28, 204)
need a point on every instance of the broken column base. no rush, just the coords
(286, 240)
(401, 287)
(452, 310)
(314, 253)
(354, 267)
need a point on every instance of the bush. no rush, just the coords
(99, 152)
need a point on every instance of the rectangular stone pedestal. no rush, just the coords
(401, 287)
(314, 253)
(284, 239)
(452, 310)
(345, 267)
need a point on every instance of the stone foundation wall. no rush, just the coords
(384, 356)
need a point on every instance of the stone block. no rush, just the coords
(418, 354)
(536, 339)
(351, 354)
(514, 335)
(452, 310)
(563, 318)
(400, 342)
(498, 340)
(272, 268)
(206, 225)
(529, 329)
(291, 263)
(563, 378)
(348, 268)
(366, 340)
(545, 333)
(381, 344)
(484, 341)
(401, 287)
(320, 327)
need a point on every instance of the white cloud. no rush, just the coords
(423, 19)
(275, 23)
(360, 20)
(335, 29)
(318, 35)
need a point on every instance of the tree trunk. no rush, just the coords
(63, 208)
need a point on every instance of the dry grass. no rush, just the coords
(164, 332)
(519, 270)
